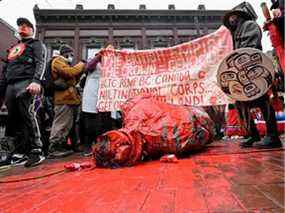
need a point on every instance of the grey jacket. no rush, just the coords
(248, 34)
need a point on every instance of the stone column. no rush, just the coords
(40, 34)
(144, 40)
(175, 35)
(77, 44)
(110, 35)
(196, 21)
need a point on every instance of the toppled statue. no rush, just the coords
(152, 129)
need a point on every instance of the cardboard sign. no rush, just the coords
(184, 74)
(245, 74)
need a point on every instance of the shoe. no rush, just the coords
(34, 160)
(7, 144)
(269, 142)
(87, 151)
(60, 153)
(18, 159)
(76, 149)
(6, 149)
(249, 142)
(5, 158)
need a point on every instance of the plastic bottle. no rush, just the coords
(77, 166)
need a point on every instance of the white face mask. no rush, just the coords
(70, 59)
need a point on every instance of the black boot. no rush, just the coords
(58, 151)
(249, 141)
(269, 142)
(34, 159)
(87, 150)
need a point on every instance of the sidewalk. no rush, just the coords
(223, 178)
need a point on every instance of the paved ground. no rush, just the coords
(223, 178)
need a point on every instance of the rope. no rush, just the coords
(36, 177)
(33, 178)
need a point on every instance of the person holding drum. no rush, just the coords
(241, 21)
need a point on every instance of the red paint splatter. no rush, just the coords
(202, 74)
(213, 100)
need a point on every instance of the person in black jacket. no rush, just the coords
(241, 21)
(20, 83)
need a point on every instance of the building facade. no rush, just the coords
(8, 38)
(89, 30)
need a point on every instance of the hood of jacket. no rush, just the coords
(244, 10)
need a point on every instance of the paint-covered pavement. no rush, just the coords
(223, 178)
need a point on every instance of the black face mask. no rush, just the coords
(233, 24)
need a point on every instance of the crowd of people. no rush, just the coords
(48, 114)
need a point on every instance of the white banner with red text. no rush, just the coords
(184, 74)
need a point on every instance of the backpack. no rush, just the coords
(47, 81)
(50, 85)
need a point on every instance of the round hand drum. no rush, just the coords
(245, 74)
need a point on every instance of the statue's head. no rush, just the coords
(116, 149)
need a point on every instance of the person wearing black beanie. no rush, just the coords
(66, 100)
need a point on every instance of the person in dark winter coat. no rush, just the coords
(19, 85)
(241, 21)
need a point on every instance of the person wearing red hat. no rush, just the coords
(20, 84)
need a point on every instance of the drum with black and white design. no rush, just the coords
(245, 74)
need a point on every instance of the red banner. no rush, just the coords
(184, 74)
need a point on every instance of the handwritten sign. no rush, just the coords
(184, 74)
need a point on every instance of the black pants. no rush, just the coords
(91, 126)
(45, 116)
(267, 111)
(22, 123)
(74, 132)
